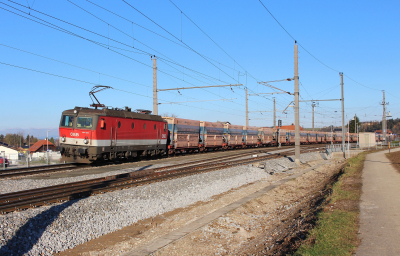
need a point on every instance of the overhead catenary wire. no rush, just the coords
(72, 65)
(96, 43)
(71, 33)
(53, 26)
(176, 38)
(128, 35)
(98, 35)
(91, 83)
(151, 31)
(108, 38)
(234, 61)
(329, 67)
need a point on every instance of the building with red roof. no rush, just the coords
(290, 127)
(387, 131)
(41, 146)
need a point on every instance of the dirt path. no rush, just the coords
(380, 207)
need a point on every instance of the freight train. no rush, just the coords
(89, 135)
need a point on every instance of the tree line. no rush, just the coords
(392, 124)
(19, 140)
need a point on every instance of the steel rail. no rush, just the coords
(25, 171)
(42, 169)
(37, 197)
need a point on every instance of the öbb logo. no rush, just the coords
(74, 134)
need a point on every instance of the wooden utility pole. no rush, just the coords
(155, 101)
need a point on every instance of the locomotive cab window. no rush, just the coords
(84, 122)
(165, 127)
(67, 121)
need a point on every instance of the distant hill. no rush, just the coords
(37, 132)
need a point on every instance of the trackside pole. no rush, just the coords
(343, 136)
(155, 100)
(296, 107)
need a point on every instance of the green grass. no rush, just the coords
(335, 235)
(336, 229)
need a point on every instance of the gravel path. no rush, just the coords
(50, 229)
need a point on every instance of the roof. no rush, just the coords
(38, 144)
(387, 131)
(290, 127)
(116, 112)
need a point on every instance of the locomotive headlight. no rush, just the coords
(62, 139)
(85, 141)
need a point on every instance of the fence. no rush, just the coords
(39, 158)
(338, 147)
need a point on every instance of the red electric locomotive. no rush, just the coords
(88, 135)
(91, 134)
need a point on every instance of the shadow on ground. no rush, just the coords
(29, 234)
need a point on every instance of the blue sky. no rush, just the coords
(355, 37)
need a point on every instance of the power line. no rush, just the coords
(53, 26)
(173, 62)
(213, 40)
(172, 41)
(203, 32)
(72, 65)
(177, 39)
(82, 81)
(129, 36)
(100, 44)
(310, 52)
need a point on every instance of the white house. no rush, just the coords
(11, 154)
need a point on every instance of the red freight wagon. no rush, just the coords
(266, 135)
(183, 134)
(211, 135)
(250, 136)
(312, 137)
(338, 137)
(282, 136)
(321, 137)
(233, 135)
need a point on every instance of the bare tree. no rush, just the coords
(166, 114)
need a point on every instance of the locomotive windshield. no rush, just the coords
(84, 122)
(67, 121)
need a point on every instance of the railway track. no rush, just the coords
(16, 172)
(43, 169)
(42, 196)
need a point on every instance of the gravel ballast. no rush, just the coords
(50, 229)
(14, 185)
